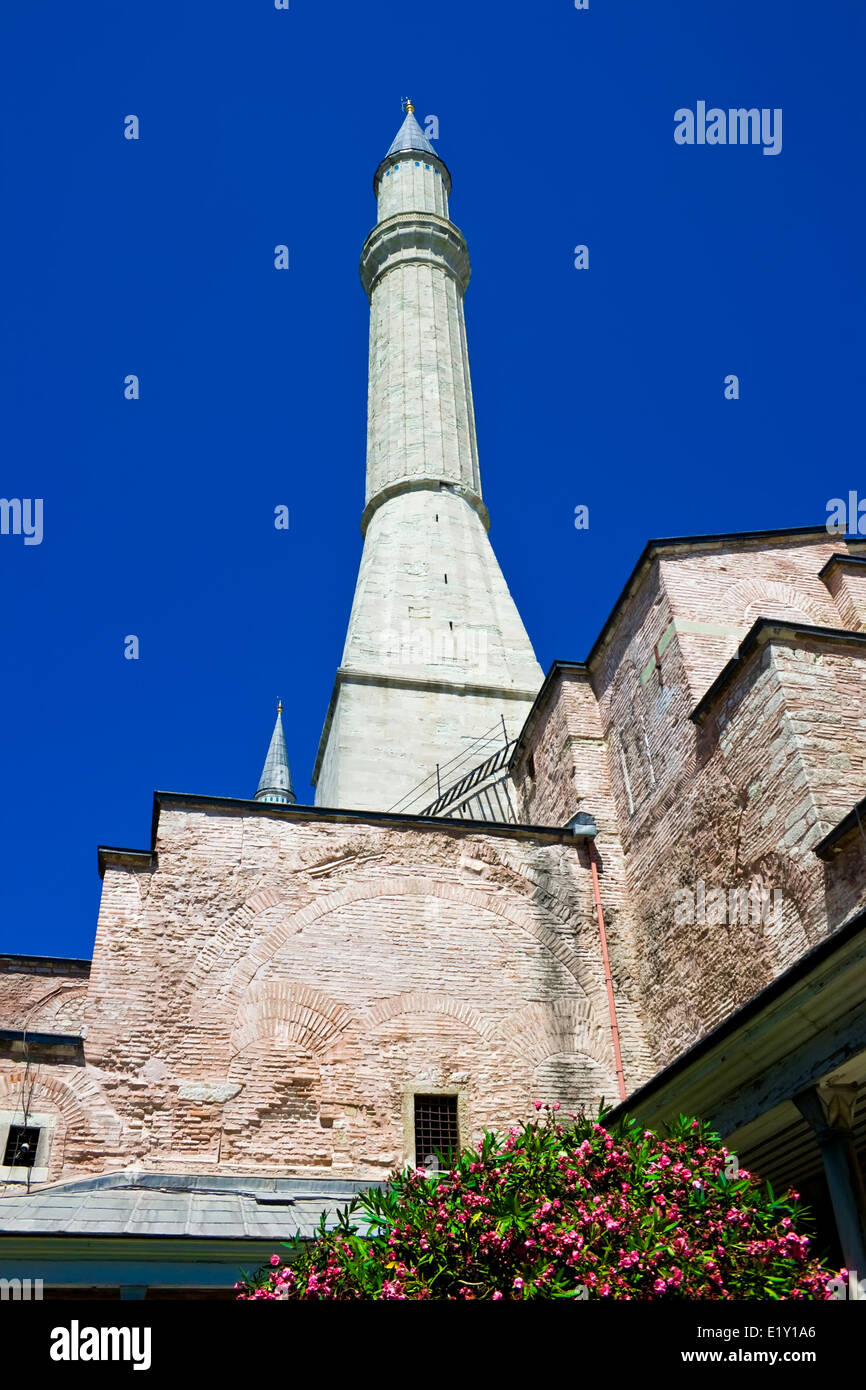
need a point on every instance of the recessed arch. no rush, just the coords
(475, 902)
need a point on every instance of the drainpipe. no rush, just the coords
(583, 824)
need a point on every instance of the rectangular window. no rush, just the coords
(435, 1128)
(21, 1146)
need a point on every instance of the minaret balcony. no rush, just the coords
(409, 238)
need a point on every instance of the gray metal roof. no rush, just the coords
(410, 136)
(159, 1204)
(275, 783)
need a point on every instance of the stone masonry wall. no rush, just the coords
(561, 768)
(41, 994)
(736, 805)
(717, 593)
(269, 997)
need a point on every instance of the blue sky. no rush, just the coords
(602, 387)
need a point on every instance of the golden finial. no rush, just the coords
(407, 106)
(279, 706)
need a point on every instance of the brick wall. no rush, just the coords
(736, 804)
(42, 994)
(266, 997)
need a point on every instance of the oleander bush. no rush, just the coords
(562, 1209)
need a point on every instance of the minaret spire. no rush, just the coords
(275, 783)
(436, 654)
(410, 136)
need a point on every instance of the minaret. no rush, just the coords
(436, 656)
(275, 783)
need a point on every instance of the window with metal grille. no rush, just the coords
(435, 1128)
(21, 1146)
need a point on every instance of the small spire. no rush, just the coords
(410, 136)
(275, 783)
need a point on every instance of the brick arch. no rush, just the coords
(427, 1002)
(33, 1014)
(62, 1094)
(473, 899)
(565, 1025)
(795, 883)
(746, 597)
(39, 1100)
(305, 1015)
(57, 1004)
(241, 918)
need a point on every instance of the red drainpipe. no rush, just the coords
(611, 1003)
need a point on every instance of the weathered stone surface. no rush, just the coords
(267, 996)
(740, 799)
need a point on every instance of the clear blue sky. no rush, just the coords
(604, 387)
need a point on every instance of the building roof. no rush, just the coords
(713, 540)
(146, 859)
(45, 965)
(708, 1069)
(202, 1206)
(851, 824)
(765, 630)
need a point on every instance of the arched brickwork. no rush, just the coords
(428, 1002)
(295, 1012)
(60, 1011)
(473, 900)
(565, 1025)
(40, 1015)
(750, 599)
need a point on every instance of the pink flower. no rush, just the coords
(275, 1259)
(496, 1297)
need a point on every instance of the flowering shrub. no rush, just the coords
(558, 1210)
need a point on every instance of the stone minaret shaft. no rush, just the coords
(436, 655)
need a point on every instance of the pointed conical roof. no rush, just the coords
(275, 783)
(410, 136)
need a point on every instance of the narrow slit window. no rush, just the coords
(436, 1129)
